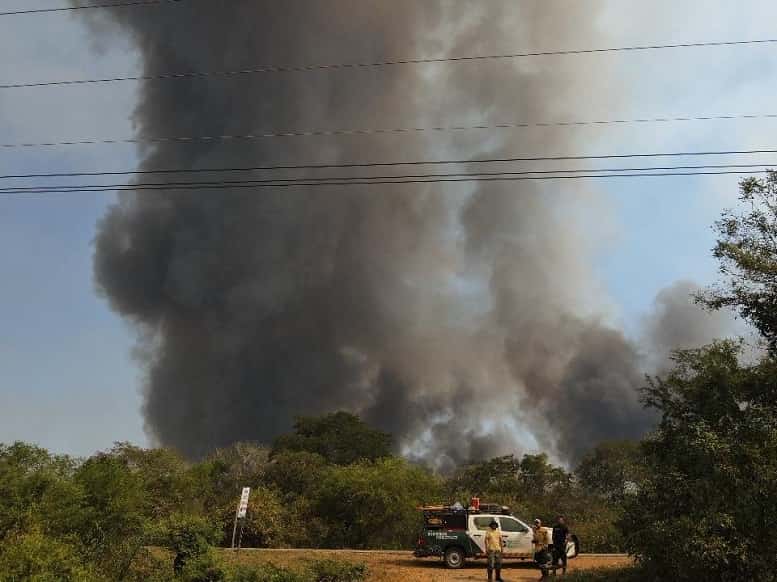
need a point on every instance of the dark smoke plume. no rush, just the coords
(464, 319)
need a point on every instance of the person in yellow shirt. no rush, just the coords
(494, 551)
(541, 541)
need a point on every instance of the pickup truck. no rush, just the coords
(456, 536)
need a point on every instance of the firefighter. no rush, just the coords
(560, 539)
(494, 551)
(541, 541)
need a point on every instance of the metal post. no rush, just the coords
(240, 537)
(234, 529)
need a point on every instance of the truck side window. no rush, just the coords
(512, 525)
(482, 523)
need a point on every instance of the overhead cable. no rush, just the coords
(460, 161)
(258, 69)
(313, 183)
(126, 4)
(258, 135)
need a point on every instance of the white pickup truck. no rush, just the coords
(456, 536)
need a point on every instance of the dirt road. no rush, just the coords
(402, 567)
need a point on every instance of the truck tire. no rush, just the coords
(454, 558)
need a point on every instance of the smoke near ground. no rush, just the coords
(465, 319)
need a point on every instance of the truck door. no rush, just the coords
(517, 537)
(478, 525)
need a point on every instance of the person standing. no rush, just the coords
(541, 541)
(560, 540)
(494, 551)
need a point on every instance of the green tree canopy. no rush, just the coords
(747, 254)
(341, 438)
(374, 504)
(710, 496)
(612, 469)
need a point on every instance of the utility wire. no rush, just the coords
(257, 69)
(171, 187)
(378, 131)
(128, 3)
(395, 164)
(342, 179)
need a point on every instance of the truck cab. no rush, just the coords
(516, 535)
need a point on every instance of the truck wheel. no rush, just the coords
(454, 558)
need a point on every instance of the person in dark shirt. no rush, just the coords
(560, 538)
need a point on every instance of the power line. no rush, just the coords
(89, 6)
(399, 163)
(341, 179)
(384, 131)
(172, 187)
(258, 69)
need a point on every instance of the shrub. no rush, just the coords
(338, 571)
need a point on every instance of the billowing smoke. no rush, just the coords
(677, 322)
(466, 319)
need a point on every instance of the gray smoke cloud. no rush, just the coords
(677, 322)
(465, 319)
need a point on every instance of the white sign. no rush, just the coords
(243, 507)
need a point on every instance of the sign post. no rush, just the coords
(240, 514)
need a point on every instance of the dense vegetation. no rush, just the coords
(693, 501)
(97, 517)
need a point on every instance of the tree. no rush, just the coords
(113, 524)
(188, 537)
(264, 525)
(164, 477)
(295, 473)
(747, 254)
(612, 469)
(499, 474)
(35, 556)
(341, 438)
(35, 488)
(711, 488)
(374, 504)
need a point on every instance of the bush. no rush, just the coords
(609, 575)
(338, 571)
(373, 505)
(265, 573)
(189, 538)
(34, 556)
(264, 524)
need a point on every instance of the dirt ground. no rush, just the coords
(403, 567)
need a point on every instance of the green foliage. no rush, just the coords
(264, 525)
(295, 473)
(338, 571)
(36, 557)
(373, 504)
(341, 438)
(112, 521)
(189, 538)
(319, 571)
(613, 469)
(34, 484)
(531, 476)
(164, 477)
(747, 255)
(266, 573)
(632, 574)
(711, 491)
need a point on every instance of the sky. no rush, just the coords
(68, 380)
